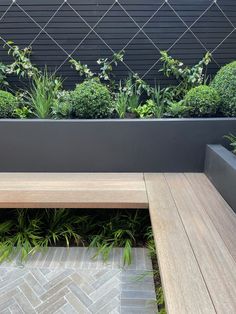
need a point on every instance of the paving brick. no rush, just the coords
(15, 309)
(29, 294)
(68, 281)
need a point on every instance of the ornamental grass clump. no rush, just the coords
(43, 94)
(202, 101)
(8, 104)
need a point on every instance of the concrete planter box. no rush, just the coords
(220, 167)
(171, 145)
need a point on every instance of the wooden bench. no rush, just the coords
(193, 226)
(72, 190)
(195, 234)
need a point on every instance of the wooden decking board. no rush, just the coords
(184, 287)
(216, 207)
(69, 176)
(79, 190)
(216, 263)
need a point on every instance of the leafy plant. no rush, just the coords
(22, 65)
(177, 109)
(43, 94)
(160, 301)
(3, 75)
(91, 100)
(120, 230)
(121, 103)
(62, 107)
(150, 243)
(232, 140)
(8, 104)
(82, 69)
(106, 67)
(202, 101)
(22, 113)
(188, 77)
(60, 225)
(133, 91)
(148, 110)
(225, 84)
(19, 235)
(26, 231)
(163, 97)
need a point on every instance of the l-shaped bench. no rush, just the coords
(194, 228)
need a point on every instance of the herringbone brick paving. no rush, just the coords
(65, 280)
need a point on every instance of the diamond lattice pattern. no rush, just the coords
(58, 30)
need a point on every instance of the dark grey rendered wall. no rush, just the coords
(220, 167)
(109, 145)
(91, 29)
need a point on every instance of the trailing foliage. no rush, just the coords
(22, 65)
(188, 77)
(91, 100)
(3, 75)
(8, 104)
(106, 67)
(225, 83)
(232, 140)
(202, 101)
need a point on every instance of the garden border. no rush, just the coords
(220, 167)
(154, 145)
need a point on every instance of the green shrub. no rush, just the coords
(8, 104)
(91, 100)
(225, 83)
(202, 101)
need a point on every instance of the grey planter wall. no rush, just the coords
(174, 145)
(220, 168)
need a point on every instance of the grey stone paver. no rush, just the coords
(63, 280)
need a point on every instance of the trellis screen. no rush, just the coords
(58, 30)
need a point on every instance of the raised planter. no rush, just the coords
(220, 167)
(171, 145)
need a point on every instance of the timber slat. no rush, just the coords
(72, 190)
(184, 287)
(217, 265)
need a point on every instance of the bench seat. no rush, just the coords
(195, 234)
(194, 228)
(72, 190)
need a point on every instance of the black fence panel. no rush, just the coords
(88, 30)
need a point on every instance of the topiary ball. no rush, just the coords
(91, 100)
(225, 83)
(8, 104)
(202, 101)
